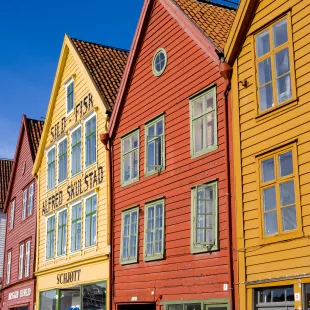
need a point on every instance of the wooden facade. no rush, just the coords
(180, 275)
(20, 208)
(273, 257)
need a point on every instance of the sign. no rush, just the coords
(75, 189)
(68, 277)
(19, 294)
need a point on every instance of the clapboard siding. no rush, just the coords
(180, 275)
(2, 240)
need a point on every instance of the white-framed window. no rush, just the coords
(203, 123)
(70, 96)
(204, 236)
(62, 232)
(154, 230)
(30, 199)
(76, 227)
(12, 214)
(91, 220)
(8, 267)
(27, 259)
(62, 160)
(51, 168)
(155, 145)
(25, 199)
(129, 243)
(21, 261)
(90, 141)
(76, 154)
(130, 157)
(50, 236)
(159, 62)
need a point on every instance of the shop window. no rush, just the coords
(51, 168)
(130, 158)
(91, 221)
(70, 96)
(203, 123)
(8, 267)
(274, 65)
(50, 236)
(90, 141)
(306, 296)
(70, 299)
(94, 296)
(48, 300)
(62, 232)
(76, 155)
(21, 261)
(62, 160)
(204, 218)
(129, 246)
(76, 227)
(195, 306)
(154, 230)
(155, 146)
(278, 183)
(12, 214)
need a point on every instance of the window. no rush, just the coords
(154, 230)
(97, 292)
(90, 141)
(278, 192)
(21, 261)
(159, 62)
(181, 305)
(30, 199)
(12, 214)
(91, 221)
(278, 294)
(50, 236)
(62, 232)
(204, 218)
(8, 267)
(24, 210)
(51, 168)
(129, 250)
(76, 151)
(155, 150)
(273, 65)
(48, 300)
(203, 123)
(70, 96)
(62, 160)
(130, 158)
(76, 227)
(27, 260)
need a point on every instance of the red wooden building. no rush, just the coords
(171, 209)
(20, 207)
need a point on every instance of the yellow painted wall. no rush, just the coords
(254, 134)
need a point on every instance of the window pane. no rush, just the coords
(198, 135)
(134, 141)
(269, 198)
(94, 296)
(175, 307)
(94, 229)
(151, 131)
(193, 307)
(286, 164)
(151, 156)
(198, 107)
(280, 33)
(48, 300)
(208, 103)
(262, 43)
(290, 294)
(264, 71)
(287, 193)
(268, 170)
(209, 119)
(289, 218)
(159, 128)
(278, 294)
(284, 91)
(282, 61)
(69, 299)
(135, 164)
(266, 97)
(127, 167)
(87, 232)
(271, 224)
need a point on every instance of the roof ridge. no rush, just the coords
(6, 159)
(224, 6)
(103, 45)
(34, 119)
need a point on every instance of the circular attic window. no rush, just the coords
(159, 62)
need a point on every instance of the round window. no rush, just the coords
(159, 62)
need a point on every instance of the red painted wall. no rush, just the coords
(23, 229)
(180, 275)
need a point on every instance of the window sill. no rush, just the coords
(129, 262)
(72, 176)
(196, 250)
(123, 184)
(153, 258)
(62, 183)
(277, 109)
(281, 237)
(90, 248)
(147, 174)
(204, 152)
(90, 166)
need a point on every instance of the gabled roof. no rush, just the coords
(5, 172)
(33, 129)
(214, 20)
(105, 64)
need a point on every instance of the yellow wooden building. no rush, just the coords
(269, 50)
(71, 167)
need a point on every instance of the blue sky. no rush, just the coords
(32, 33)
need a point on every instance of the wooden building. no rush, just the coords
(18, 290)
(268, 48)
(72, 261)
(171, 228)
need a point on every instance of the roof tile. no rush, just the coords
(35, 128)
(5, 172)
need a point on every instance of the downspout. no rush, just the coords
(225, 71)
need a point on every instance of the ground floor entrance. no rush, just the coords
(20, 308)
(138, 307)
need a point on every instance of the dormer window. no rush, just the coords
(70, 96)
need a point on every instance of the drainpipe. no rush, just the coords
(225, 71)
